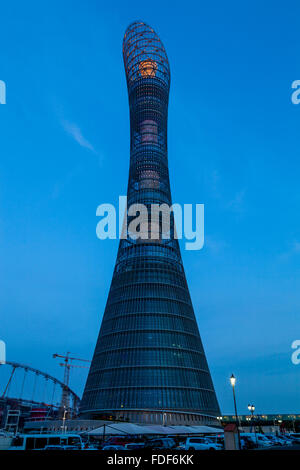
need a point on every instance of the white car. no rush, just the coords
(201, 443)
(260, 439)
(59, 448)
(294, 436)
(263, 441)
(275, 440)
(112, 447)
(134, 446)
(285, 439)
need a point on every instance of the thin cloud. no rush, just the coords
(74, 131)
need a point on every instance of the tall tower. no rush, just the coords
(149, 364)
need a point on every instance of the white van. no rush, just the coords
(40, 441)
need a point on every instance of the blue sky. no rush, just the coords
(233, 145)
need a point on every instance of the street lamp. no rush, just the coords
(219, 418)
(251, 408)
(64, 420)
(233, 382)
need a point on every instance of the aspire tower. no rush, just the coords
(149, 364)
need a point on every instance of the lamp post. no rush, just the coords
(251, 408)
(233, 382)
(64, 420)
(248, 419)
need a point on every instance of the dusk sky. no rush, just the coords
(233, 145)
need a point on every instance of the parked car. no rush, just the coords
(247, 443)
(117, 441)
(263, 441)
(134, 445)
(295, 437)
(40, 441)
(285, 439)
(217, 439)
(260, 439)
(163, 443)
(60, 448)
(274, 440)
(112, 447)
(201, 443)
(180, 446)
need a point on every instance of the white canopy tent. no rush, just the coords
(194, 430)
(137, 429)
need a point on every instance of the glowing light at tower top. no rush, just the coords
(144, 54)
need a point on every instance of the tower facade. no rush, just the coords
(149, 364)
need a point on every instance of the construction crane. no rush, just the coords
(67, 364)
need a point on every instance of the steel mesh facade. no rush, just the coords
(149, 359)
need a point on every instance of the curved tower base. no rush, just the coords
(151, 416)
